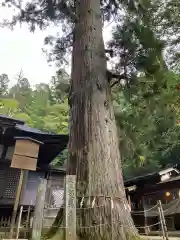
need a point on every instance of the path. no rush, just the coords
(158, 238)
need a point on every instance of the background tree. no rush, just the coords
(21, 91)
(4, 82)
(60, 85)
(9, 106)
(145, 111)
(37, 107)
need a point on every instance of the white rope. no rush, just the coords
(94, 226)
(82, 227)
(164, 210)
(149, 225)
(81, 208)
(170, 207)
(93, 202)
(81, 203)
(25, 210)
(145, 210)
(101, 206)
(108, 224)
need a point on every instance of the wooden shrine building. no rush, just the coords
(144, 192)
(23, 147)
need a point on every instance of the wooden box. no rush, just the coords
(23, 162)
(27, 148)
(25, 154)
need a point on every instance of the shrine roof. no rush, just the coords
(53, 144)
(154, 179)
(5, 118)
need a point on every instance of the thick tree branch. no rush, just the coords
(114, 83)
(111, 76)
(110, 52)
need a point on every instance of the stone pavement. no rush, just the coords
(158, 238)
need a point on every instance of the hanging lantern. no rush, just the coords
(25, 154)
(168, 194)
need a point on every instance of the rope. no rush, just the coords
(108, 224)
(100, 206)
(86, 208)
(25, 210)
(150, 225)
(94, 226)
(170, 207)
(145, 210)
(164, 210)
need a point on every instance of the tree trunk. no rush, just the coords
(93, 143)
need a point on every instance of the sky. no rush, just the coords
(22, 50)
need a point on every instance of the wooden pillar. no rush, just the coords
(161, 223)
(16, 204)
(19, 222)
(70, 204)
(28, 217)
(112, 219)
(129, 202)
(147, 230)
(39, 210)
(163, 220)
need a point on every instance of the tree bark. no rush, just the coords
(93, 143)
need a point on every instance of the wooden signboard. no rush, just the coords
(70, 204)
(25, 154)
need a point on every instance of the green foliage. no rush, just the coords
(147, 107)
(60, 161)
(146, 46)
(56, 119)
(149, 135)
(60, 85)
(41, 107)
(37, 107)
(8, 106)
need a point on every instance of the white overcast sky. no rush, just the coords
(21, 49)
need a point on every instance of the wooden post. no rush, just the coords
(70, 204)
(129, 202)
(162, 226)
(18, 194)
(163, 221)
(123, 233)
(28, 216)
(39, 210)
(147, 230)
(19, 222)
(112, 220)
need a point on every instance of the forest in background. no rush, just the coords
(145, 45)
(44, 107)
(149, 131)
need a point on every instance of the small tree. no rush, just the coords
(4, 82)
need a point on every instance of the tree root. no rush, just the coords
(107, 231)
